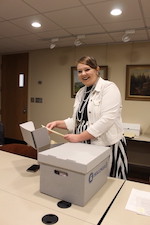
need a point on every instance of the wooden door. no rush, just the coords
(14, 98)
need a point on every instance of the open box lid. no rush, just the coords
(37, 138)
(77, 157)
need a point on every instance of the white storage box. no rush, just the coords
(37, 138)
(131, 129)
(73, 172)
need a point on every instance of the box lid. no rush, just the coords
(37, 138)
(77, 157)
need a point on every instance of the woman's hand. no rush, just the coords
(74, 138)
(51, 125)
(78, 137)
(58, 123)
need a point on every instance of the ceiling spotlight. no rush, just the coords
(126, 37)
(77, 42)
(36, 24)
(53, 43)
(116, 12)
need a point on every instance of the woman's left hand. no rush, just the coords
(74, 138)
(78, 137)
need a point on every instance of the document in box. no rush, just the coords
(139, 202)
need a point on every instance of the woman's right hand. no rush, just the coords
(58, 123)
(51, 125)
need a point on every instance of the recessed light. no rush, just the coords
(116, 12)
(36, 24)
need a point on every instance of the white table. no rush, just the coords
(144, 137)
(15, 210)
(25, 185)
(118, 215)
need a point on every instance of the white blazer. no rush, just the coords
(104, 113)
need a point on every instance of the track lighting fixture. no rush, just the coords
(53, 43)
(127, 35)
(125, 38)
(78, 41)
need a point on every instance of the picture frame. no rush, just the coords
(76, 84)
(137, 82)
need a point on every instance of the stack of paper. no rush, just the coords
(139, 202)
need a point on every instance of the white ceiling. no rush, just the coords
(68, 18)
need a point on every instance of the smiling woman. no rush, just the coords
(88, 73)
(96, 116)
(76, 84)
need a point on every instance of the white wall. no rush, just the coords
(52, 67)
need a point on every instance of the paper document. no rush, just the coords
(139, 202)
(55, 132)
(129, 134)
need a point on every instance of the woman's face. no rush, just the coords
(87, 75)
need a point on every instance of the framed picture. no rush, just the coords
(138, 82)
(76, 84)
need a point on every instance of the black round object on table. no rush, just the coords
(50, 219)
(64, 204)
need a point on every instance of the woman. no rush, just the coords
(97, 116)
